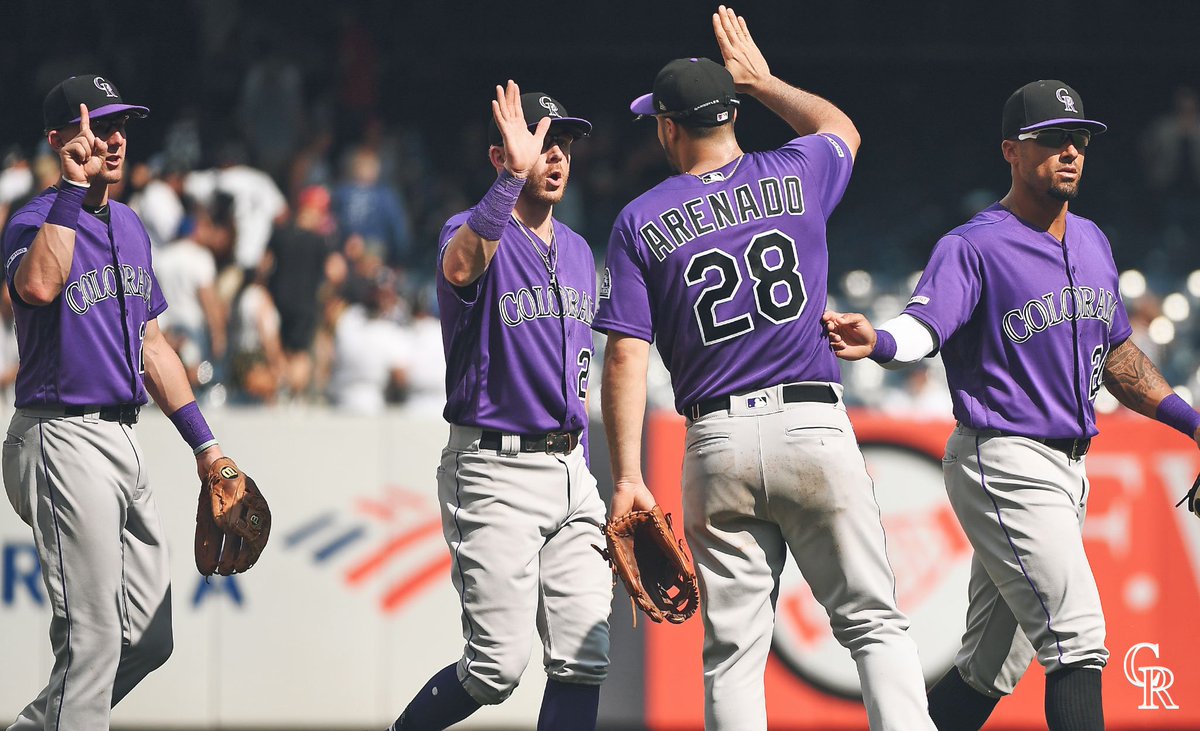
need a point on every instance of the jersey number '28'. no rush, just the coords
(779, 293)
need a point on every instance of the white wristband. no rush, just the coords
(204, 446)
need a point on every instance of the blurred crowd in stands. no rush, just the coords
(295, 237)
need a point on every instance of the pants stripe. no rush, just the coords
(462, 577)
(1011, 545)
(62, 569)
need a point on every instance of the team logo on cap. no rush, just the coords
(550, 106)
(105, 87)
(1064, 96)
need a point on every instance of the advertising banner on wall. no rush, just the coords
(345, 617)
(1144, 552)
(351, 608)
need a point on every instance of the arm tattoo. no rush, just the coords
(1134, 380)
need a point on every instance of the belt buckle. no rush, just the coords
(558, 442)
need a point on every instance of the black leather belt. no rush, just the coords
(1073, 448)
(555, 442)
(793, 393)
(124, 413)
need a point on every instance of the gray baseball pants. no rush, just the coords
(1032, 592)
(80, 484)
(760, 480)
(520, 527)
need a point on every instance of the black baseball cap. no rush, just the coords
(696, 91)
(537, 105)
(1045, 103)
(61, 106)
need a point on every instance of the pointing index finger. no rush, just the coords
(85, 124)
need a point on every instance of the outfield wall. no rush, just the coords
(351, 608)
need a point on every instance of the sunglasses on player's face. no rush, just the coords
(1056, 138)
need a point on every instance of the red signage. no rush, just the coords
(1145, 554)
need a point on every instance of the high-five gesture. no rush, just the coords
(82, 157)
(521, 147)
(742, 58)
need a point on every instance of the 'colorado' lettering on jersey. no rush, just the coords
(514, 363)
(726, 272)
(1025, 355)
(531, 303)
(1038, 315)
(80, 354)
(99, 285)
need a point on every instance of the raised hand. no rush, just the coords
(82, 157)
(851, 336)
(521, 147)
(743, 60)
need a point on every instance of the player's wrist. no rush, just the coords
(68, 204)
(1178, 414)
(885, 347)
(193, 428)
(490, 217)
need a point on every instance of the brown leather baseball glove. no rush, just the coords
(644, 553)
(233, 521)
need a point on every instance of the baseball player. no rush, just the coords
(725, 266)
(1023, 302)
(86, 300)
(520, 510)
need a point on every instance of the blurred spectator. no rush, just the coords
(271, 109)
(257, 202)
(370, 352)
(157, 200)
(426, 371)
(357, 80)
(296, 260)
(364, 205)
(195, 320)
(16, 181)
(924, 394)
(1171, 160)
(257, 358)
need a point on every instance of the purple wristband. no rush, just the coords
(885, 347)
(68, 204)
(1175, 413)
(491, 215)
(193, 428)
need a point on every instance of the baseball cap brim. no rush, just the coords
(643, 106)
(1069, 122)
(110, 109)
(577, 126)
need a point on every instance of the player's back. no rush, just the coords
(735, 266)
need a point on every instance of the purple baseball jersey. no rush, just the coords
(1025, 323)
(514, 362)
(74, 351)
(727, 271)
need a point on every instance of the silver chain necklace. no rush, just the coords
(550, 257)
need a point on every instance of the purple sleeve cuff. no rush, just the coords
(885, 347)
(490, 216)
(1175, 413)
(193, 428)
(68, 204)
